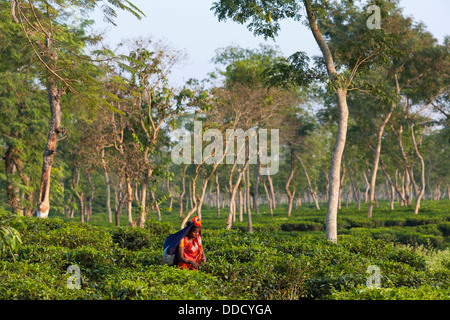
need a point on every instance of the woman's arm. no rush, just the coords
(182, 259)
(203, 259)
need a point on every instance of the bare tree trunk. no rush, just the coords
(407, 177)
(366, 193)
(312, 192)
(249, 211)
(338, 149)
(140, 222)
(389, 194)
(54, 96)
(376, 160)
(80, 195)
(108, 187)
(29, 195)
(353, 184)
(241, 205)
(143, 210)
(419, 193)
(155, 204)
(272, 193)
(269, 199)
(190, 196)
(194, 200)
(255, 193)
(183, 190)
(247, 188)
(290, 194)
(233, 191)
(129, 201)
(202, 196)
(168, 190)
(120, 203)
(218, 195)
(91, 197)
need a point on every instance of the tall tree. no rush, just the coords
(264, 17)
(60, 51)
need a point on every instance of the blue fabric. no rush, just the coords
(173, 240)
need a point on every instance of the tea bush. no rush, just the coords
(286, 258)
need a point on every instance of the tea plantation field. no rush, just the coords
(285, 258)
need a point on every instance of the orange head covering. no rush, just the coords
(196, 222)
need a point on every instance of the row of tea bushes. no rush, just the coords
(125, 263)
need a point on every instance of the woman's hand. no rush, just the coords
(194, 264)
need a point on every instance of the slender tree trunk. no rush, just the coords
(247, 190)
(311, 190)
(376, 160)
(338, 149)
(21, 208)
(255, 193)
(419, 193)
(269, 199)
(249, 211)
(120, 204)
(366, 193)
(79, 194)
(143, 210)
(108, 187)
(54, 96)
(191, 196)
(129, 192)
(390, 195)
(183, 190)
(408, 174)
(233, 191)
(272, 192)
(155, 204)
(241, 205)
(194, 201)
(353, 184)
(218, 195)
(168, 190)
(202, 196)
(290, 194)
(91, 196)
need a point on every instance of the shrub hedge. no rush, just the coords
(294, 261)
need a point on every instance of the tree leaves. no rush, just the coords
(291, 72)
(9, 237)
(262, 16)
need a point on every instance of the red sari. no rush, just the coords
(192, 250)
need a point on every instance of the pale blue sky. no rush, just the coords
(193, 27)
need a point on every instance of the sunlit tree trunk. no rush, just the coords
(218, 195)
(269, 198)
(419, 193)
(376, 161)
(54, 97)
(312, 192)
(290, 194)
(341, 135)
